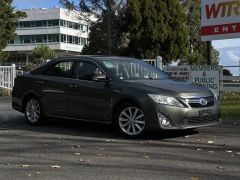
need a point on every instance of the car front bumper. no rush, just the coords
(181, 118)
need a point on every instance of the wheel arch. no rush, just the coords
(27, 96)
(122, 101)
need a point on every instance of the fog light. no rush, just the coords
(164, 121)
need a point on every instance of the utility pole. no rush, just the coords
(209, 52)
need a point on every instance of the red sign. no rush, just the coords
(220, 19)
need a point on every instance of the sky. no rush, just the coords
(229, 49)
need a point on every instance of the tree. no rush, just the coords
(98, 38)
(41, 54)
(104, 10)
(156, 28)
(197, 50)
(226, 72)
(8, 17)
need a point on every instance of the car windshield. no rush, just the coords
(133, 69)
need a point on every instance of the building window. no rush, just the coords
(39, 39)
(44, 23)
(70, 39)
(45, 38)
(33, 24)
(33, 39)
(55, 38)
(61, 23)
(38, 23)
(76, 40)
(80, 41)
(26, 24)
(52, 22)
(55, 22)
(71, 24)
(81, 27)
(67, 38)
(49, 38)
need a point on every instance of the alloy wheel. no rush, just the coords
(131, 121)
(33, 111)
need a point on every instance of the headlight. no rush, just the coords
(165, 100)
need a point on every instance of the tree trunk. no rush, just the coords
(109, 27)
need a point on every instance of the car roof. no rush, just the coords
(93, 57)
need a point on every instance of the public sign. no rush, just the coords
(220, 19)
(208, 76)
(180, 72)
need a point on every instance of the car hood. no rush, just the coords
(170, 86)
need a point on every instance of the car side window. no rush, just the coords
(85, 70)
(62, 69)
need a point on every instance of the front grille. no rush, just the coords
(198, 121)
(196, 102)
(198, 105)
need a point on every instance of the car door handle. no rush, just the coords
(73, 86)
(39, 82)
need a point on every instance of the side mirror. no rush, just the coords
(100, 78)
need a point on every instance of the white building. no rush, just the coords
(60, 29)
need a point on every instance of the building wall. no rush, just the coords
(57, 14)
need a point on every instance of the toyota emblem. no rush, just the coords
(203, 101)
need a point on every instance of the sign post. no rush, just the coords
(209, 52)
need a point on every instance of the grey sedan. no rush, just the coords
(127, 92)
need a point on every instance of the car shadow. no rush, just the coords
(85, 129)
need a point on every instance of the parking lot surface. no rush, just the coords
(66, 149)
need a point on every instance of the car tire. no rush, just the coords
(129, 120)
(33, 111)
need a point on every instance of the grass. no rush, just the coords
(231, 106)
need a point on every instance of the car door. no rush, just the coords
(89, 100)
(55, 85)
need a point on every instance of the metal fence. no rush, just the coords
(230, 83)
(7, 76)
(151, 61)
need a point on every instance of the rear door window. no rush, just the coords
(84, 70)
(61, 69)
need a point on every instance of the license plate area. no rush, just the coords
(205, 112)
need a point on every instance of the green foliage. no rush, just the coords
(7, 29)
(157, 28)
(98, 37)
(227, 72)
(41, 54)
(197, 50)
(3, 56)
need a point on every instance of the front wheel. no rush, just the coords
(130, 120)
(33, 111)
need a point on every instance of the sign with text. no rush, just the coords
(208, 76)
(220, 19)
(180, 72)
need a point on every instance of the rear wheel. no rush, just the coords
(129, 119)
(33, 111)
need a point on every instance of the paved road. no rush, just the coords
(64, 149)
